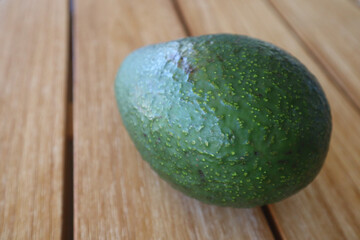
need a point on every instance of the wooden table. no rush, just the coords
(67, 166)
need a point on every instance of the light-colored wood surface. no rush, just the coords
(329, 207)
(331, 29)
(117, 195)
(33, 76)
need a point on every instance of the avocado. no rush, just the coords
(227, 119)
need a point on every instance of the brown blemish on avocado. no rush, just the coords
(202, 176)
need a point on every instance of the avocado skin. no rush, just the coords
(227, 119)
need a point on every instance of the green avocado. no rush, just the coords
(226, 119)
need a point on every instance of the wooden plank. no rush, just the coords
(33, 54)
(117, 195)
(331, 29)
(329, 207)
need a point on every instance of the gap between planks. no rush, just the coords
(67, 231)
(265, 209)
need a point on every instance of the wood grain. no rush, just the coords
(33, 54)
(117, 195)
(331, 29)
(329, 207)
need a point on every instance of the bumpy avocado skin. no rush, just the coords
(227, 119)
